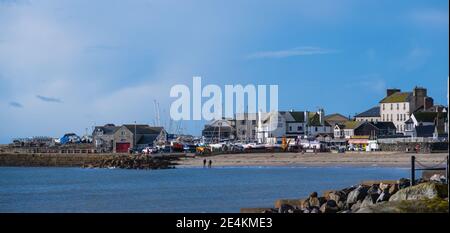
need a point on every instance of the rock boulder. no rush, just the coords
(422, 191)
(357, 195)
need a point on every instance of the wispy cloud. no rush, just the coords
(13, 2)
(299, 51)
(15, 104)
(430, 17)
(416, 58)
(49, 99)
(371, 82)
(95, 48)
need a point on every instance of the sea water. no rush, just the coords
(181, 190)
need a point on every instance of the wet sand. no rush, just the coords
(360, 159)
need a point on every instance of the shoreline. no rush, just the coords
(351, 159)
(368, 159)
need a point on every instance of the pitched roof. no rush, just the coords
(410, 120)
(147, 139)
(425, 116)
(336, 117)
(352, 124)
(107, 129)
(144, 129)
(373, 112)
(384, 125)
(397, 97)
(425, 131)
(223, 129)
(298, 116)
(314, 120)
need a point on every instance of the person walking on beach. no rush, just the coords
(204, 163)
(209, 164)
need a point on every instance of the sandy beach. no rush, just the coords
(381, 159)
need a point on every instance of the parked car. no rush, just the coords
(189, 148)
(149, 150)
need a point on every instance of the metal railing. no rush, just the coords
(422, 167)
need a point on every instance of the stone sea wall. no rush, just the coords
(86, 160)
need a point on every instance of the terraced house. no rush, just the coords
(292, 124)
(398, 106)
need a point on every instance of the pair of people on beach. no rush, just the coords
(209, 163)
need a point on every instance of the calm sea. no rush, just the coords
(178, 190)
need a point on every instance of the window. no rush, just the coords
(398, 106)
(253, 122)
(243, 122)
(316, 129)
(299, 128)
(392, 106)
(290, 128)
(404, 106)
(383, 106)
(398, 117)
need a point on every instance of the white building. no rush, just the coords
(398, 106)
(275, 125)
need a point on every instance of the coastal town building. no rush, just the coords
(427, 124)
(371, 115)
(103, 137)
(246, 125)
(317, 124)
(137, 136)
(219, 130)
(364, 128)
(347, 129)
(292, 124)
(397, 106)
(385, 129)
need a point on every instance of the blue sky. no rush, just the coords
(68, 65)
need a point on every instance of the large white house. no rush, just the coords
(398, 106)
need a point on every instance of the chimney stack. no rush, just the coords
(392, 91)
(420, 95)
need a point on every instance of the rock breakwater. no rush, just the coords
(134, 162)
(371, 197)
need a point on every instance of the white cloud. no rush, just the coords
(299, 51)
(416, 58)
(368, 82)
(430, 18)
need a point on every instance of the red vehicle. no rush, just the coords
(177, 147)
